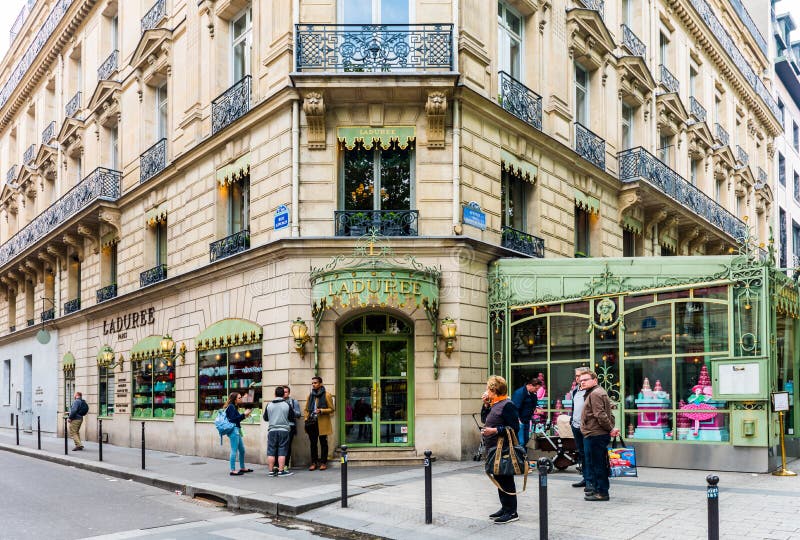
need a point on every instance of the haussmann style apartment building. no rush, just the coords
(185, 180)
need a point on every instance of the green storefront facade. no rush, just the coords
(688, 348)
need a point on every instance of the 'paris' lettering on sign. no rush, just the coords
(135, 319)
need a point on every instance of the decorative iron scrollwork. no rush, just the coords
(520, 100)
(231, 105)
(522, 242)
(382, 222)
(153, 275)
(152, 161)
(230, 245)
(590, 146)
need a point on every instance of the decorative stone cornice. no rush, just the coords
(436, 107)
(314, 108)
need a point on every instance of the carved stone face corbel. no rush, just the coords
(91, 236)
(75, 243)
(112, 218)
(57, 254)
(436, 108)
(314, 108)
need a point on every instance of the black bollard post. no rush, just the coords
(65, 436)
(39, 432)
(543, 464)
(344, 476)
(16, 424)
(713, 507)
(142, 445)
(100, 437)
(428, 488)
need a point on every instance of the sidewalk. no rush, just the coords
(389, 501)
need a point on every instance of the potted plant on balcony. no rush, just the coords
(392, 224)
(357, 224)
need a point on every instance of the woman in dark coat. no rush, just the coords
(497, 414)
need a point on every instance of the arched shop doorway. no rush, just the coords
(375, 369)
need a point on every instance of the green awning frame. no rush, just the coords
(587, 202)
(632, 224)
(149, 347)
(234, 172)
(370, 136)
(517, 167)
(68, 362)
(229, 333)
(155, 215)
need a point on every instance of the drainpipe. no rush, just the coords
(456, 166)
(295, 168)
(456, 15)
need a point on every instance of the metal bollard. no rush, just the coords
(543, 464)
(712, 493)
(65, 436)
(428, 488)
(39, 432)
(142, 445)
(100, 437)
(344, 476)
(16, 424)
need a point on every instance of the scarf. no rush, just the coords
(498, 399)
(317, 397)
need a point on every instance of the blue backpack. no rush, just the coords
(223, 424)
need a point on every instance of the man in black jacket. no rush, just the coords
(77, 411)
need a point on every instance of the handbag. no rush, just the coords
(621, 459)
(508, 458)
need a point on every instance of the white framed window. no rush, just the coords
(162, 110)
(160, 231)
(238, 199)
(242, 42)
(581, 95)
(627, 127)
(664, 142)
(693, 171)
(627, 13)
(375, 11)
(115, 32)
(113, 142)
(509, 37)
(692, 81)
(663, 44)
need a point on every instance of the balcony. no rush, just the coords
(154, 16)
(230, 245)
(522, 242)
(597, 5)
(740, 10)
(108, 67)
(697, 110)
(721, 135)
(152, 161)
(633, 44)
(12, 328)
(100, 185)
(385, 222)
(72, 306)
(154, 275)
(589, 146)
(49, 314)
(22, 16)
(374, 48)
(30, 322)
(230, 105)
(668, 80)
(49, 132)
(741, 156)
(107, 293)
(639, 164)
(30, 153)
(520, 100)
(73, 105)
(762, 178)
(11, 175)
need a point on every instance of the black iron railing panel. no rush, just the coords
(668, 80)
(374, 48)
(48, 314)
(631, 42)
(154, 15)
(154, 275)
(22, 16)
(639, 164)
(522, 242)
(721, 135)
(741, 156)
(108, 67)
(385, 222)
(697, 110)
(73, 105)
(597, 5)
(762, 177)
(11, 175)
(12, 328)
(153, 161)
(743, 14)
(231, 105)
(107, 293)
(72, 306)
(520, 100)
(30, 153)
(230, 245)
(590, 146)
(30, 322)
(49, 132)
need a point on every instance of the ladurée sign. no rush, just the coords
(134, 319)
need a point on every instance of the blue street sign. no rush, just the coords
(473, 215)
(281, 217)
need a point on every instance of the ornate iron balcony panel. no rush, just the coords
(107, 293)
(108, 67)
(589, 146)
(38, 43)
(750, 25)
(21, 18)
(31, 322)
(29, 154)
(12, 328)
(522, 242)
(385, 222)
(101, 184)
(762, 176)
(634, 45)
(639, 164)
(154, 275)
(741, 156)
(374, 48)
(231, 245)
(520, 100)
(153, 161)
(73, 105)
(721, 135)
(597, 5)
(668, 80)
(49, 314)
(11, 175)
(231, 105)
(154, 15)
(49, 132)
(697, 110)
(72, 306)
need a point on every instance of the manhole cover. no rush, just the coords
(198, 463)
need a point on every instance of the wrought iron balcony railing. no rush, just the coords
(101, 184)
(631, 42)
(108, 67)
(520, 100)
(385, 222)
(12, 328)
(231, 245)
(697, 110)
(11, 175)
(153, 161)
(639, 164)
(49, 132)
(372, 48)
(154, 15)
(590, 146)
(154, 275)
(22, 16)
(750, 25)
(31, 322)
(231, 105)
(721, 135)
(30, 153)
(72, 306)
(48, 314)
(762, 177)
(741, 156)
(73, 105)
(668, 80)
(522, 242)
(597, 5)
(107, 293)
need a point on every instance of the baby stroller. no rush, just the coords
(480, 453)
(565, 449)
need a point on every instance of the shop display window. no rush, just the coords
(105, 391)
(785, 348)
(69, 388)
(648, 383)
(701, 327)
(529, 341)
(648, 425)
(648, 331)
(154, 388)
(226, 370)
(568, 338)
(520, 374)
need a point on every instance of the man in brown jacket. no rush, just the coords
(597, 427)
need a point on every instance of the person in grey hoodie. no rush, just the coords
(280, 417)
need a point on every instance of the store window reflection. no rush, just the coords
(225, 370)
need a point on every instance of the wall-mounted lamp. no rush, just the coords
(168, 349)
(300, 335)
(105, 358)
(449, 330)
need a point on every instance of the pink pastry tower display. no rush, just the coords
(651, 422)
(700, 410)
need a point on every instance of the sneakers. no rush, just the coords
(77, 448)
(285, 473)
(596, 497)
(497, 514)
(272, 473)
(507, 518)
(582, 483)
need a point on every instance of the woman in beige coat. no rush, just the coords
(317, 414)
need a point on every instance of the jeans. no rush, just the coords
(237, 446)
(313, 435)
(576, 433)
(508, 502)
(595, 471)
(525, 431)
(75, 431)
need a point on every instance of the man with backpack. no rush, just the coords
(280, 415)
(77, 411)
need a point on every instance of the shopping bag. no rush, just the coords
(621, 459)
